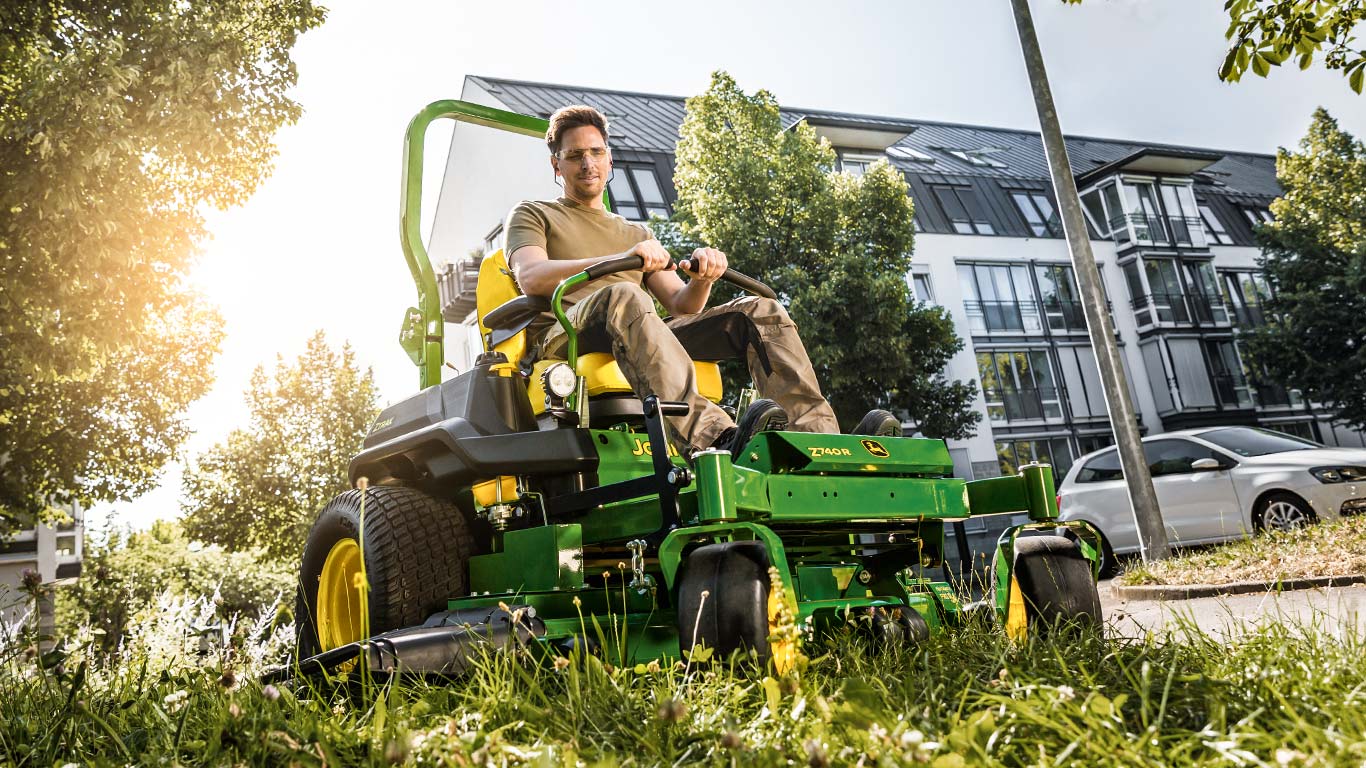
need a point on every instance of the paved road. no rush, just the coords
(1340, 606)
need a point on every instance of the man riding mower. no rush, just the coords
(536, 498)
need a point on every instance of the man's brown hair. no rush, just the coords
(570, 117)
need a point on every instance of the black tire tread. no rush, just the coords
(417, 550)
(1057, 583)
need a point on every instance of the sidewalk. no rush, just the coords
(1340, 606)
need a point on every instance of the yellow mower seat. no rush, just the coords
(599, 369)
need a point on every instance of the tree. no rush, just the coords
(835, 247)
(1266, 33)
(119, 122)
(1314, 254)
(131, 570)
(263, 486)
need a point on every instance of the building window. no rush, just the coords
(1214, 229)
(1166, 297)
(1018, 385)
(1230, 380)
(1061, 300)
(1301, 429)
(494, 239)
(1103, 207)
(1092, 443)
(1014, 454)
(1144, 216)
(1206, 303)
(906, 153)
(1247, 294)
(981, 158)
(1256, 215)
(1183, 217)
(1038, 213)
(999, 298)
(635, 192)
(962, 209)
(920, 286)
(856, 163)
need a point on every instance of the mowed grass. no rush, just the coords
(1277, 695)
(1329, 549)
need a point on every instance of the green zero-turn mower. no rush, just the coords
(541, 505)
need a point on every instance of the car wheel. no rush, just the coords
(1109, 565)
(1283, 512)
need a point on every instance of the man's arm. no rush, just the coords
(537, 274)
(706, 266)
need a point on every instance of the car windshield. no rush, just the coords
(1247, 441)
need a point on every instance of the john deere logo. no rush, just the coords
(875, 448)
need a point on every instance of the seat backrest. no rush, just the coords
(495, 287)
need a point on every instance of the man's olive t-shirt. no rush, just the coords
(568, 230)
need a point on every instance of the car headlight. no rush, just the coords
(560, 380)
(1339, 474)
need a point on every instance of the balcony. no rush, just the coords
(1179, 309)
(1276, 396)
(1135, 229)
(1003, 317)
(1022, 404)
(455, 284)
(1247, 316)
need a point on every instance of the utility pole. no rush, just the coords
(1152, 536)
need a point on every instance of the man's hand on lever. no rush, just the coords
(705, 264)
(657, 259)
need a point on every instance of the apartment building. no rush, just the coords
(53, 552)
(1171, 227)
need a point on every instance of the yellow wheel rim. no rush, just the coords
(1017, 620)
(782, 643)
(341, 606)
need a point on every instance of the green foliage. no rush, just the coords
(118, 123)
(1314, 254)
(836, 249)
(1268, 694)
(263, 486)
(131, 571)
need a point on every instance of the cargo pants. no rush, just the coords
(655, 355)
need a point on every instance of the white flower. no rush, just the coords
(1066, 693)
(176, 701)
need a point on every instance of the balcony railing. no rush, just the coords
(1247, 316)
(1142, 229)
(455, 284)
(1276, 396)
(1003, 317)
(1179, 309)
(1022, 404)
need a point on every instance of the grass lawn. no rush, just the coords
(1276, 696)
(1330, 549)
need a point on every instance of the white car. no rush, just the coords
(1217, 483)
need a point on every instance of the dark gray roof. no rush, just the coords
(650, 122)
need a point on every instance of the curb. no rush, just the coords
(1191, 591)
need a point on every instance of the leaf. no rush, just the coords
(1355, 80)
(1260, 65)
(773, 694)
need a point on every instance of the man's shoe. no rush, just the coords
(879, 423)
(761, 416)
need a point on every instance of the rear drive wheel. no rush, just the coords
(1051, 589)
(1283, 512)
(740, 609)
(416, 557)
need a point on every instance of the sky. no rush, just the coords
(317, 246)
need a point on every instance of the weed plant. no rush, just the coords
(1328, 549)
